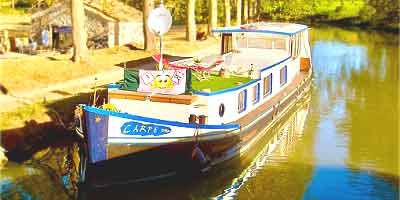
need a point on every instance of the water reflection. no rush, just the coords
(279, 146)
(50, 174)
(350, 146)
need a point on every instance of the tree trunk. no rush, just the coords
(227, 6)
(238, 12)
(213, 15)
(250, 10)
(149, 37)
(258, 9)
(13, 4)
(191, 21)
(245, 11)
(79, 35)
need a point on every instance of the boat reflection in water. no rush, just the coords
(281, 142)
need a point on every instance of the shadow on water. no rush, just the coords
(44, 157)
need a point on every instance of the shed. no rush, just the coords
(107, 21)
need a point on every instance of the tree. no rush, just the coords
(252, 10)
(258, 9)
(238, 12)
(227, 6)
(245, 11)
(149, 38)
(191, 21)
(79, 34)
(213, 15)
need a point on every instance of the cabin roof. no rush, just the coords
(288, 29)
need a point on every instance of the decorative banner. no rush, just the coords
(162, 82)
(136, 128)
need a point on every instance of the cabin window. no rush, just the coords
(256, 93)
(295, 45)
(226, 45)
(242, 101)
(283, 75)
(268, 85)
(266, 43)
(279, 44)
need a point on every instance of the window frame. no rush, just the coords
(270, 85)
(227, 43)
(256, 88)
(282, 83)
(242, 108)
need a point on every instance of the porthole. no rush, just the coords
(221, 110)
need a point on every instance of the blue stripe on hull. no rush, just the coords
(97, 132)
(99, 111)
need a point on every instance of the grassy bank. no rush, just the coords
(43, 112)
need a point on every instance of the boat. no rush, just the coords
(195, 113)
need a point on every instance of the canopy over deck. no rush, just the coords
(288, 29)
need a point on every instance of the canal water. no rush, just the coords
(341, 141)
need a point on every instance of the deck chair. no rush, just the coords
(206, 66)
(200, 72)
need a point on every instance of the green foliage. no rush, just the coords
(375, 13)
(22, 5)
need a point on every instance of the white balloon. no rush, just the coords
(160, 20)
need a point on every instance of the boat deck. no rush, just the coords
(260, 110)
(260, 58)
(242, 61)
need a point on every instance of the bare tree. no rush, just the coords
(238, 12)
(149, 38)
(227, 6)
(191, 21)
(79, 34)
(212, 15)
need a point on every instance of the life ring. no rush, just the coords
(221, 110)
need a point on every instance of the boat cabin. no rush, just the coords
(257, 61)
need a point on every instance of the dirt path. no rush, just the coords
(59, 91)
(69, 88)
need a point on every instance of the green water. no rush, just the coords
(350, 147)
(340, 142)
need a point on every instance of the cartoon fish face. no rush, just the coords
(162, 82)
